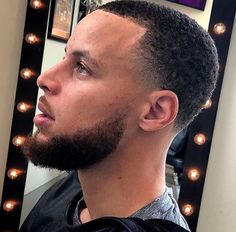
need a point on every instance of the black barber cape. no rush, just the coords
(54, 212)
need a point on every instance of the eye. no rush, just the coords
(81, 69)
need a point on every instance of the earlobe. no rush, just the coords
(160, 110)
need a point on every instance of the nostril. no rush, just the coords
(45, 88)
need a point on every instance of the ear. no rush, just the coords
(160, 110)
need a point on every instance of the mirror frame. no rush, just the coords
(22, 123)
(195, 156)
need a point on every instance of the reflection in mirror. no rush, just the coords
(41, 179)
(38, 180)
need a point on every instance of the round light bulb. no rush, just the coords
(199, 139)
(187, 210)
(31, 38)
(23, 107)
(9, 205)
(208, 104)
(193, 174)
(26, 73)
(18, 140)
(36, 4)
(219, 28)
(14, 173)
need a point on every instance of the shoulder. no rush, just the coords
(165, 207)
(53, 204)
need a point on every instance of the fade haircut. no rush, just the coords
(175, 52)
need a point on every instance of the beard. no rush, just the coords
(82, 150)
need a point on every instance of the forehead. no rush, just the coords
(104, 33)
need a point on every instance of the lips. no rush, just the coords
(45, 111)
(45, 118)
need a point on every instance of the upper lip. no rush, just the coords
(44, 107)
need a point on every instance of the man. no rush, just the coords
(134, 74)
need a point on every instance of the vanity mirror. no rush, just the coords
(192, 160)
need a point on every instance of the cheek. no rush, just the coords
(85, 108)
(84, 103)
(97, 95)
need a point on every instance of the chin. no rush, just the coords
(40, 137)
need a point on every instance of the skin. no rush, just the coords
(102, 85)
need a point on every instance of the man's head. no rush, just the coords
(175, 54)
(128, 67)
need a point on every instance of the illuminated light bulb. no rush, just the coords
(36, 4)
(199, 139)
(14, 173)
(193, 174)
(219, 28)
(32, 38)
(187, 210)
(26, 73)
(18, 140)
(23, 107)
(208, 104)
(9, 205)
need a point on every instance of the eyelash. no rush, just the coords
(79, 66)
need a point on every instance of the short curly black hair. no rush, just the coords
(176, 54)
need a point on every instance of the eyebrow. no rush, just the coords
(85, 55)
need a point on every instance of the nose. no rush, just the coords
(48, 81)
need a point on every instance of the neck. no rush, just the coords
(124, 182)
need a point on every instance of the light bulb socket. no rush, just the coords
(10, 205)
(18, 140)
(27, 73)
(37, 4)
(32, 39)
(187, 210)
(193, 174)
(208, 104)
(199, 139)
(14, 173)
(23, 107)
(219, 28)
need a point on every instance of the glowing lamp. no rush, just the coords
(18, 140)
(26, 73)
(193, 174)
(208, 104)
(36, 4)
(23, 107)
(187, 210)
(14, 173)
(9, 205)
(199, 139)
(219, 28)
(31, 38)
